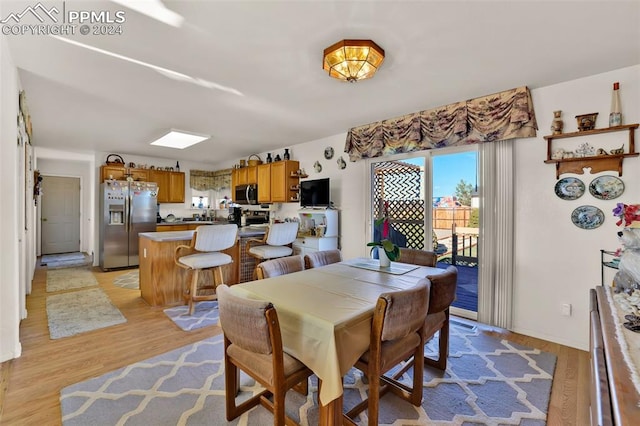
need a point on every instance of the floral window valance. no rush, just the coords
(203, 180)
(504, 115)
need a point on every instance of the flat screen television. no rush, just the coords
(315, 193)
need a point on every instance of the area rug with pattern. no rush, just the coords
(70, 278)
(130, 280)
(487, 382)
(205, 314)
(65, 260)
(80, 311)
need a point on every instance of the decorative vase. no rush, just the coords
(286, 155)
(557, 124)
(269, 159)
(384, 259)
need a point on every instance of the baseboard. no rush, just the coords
(571, 343)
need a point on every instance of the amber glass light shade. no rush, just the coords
(353, 60)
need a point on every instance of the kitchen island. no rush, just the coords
(162, 282)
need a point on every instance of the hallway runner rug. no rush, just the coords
(205, 314)
(70, 278)
(487, 382)
(65, 260)
(80, 311)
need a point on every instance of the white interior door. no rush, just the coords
(60, 216)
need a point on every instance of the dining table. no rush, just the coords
(326, 313)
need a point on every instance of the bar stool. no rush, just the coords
(204, 254)
(276, 242)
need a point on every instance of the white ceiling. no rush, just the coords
(436, 53)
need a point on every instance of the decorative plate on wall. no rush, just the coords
(606, 187)
(569, 188)
(587, 217)
(328, 153)
(341, 163)
(317, 167)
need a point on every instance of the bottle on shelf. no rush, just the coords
(269, 159)
(615, 117)
(177, 166)
(286, 155)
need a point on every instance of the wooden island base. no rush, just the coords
(162, 282)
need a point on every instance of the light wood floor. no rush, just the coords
(30, 385)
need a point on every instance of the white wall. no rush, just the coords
(555, 261)
(10, 214)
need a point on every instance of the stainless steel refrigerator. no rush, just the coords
(127, 208)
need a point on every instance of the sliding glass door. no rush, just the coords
(432, 200)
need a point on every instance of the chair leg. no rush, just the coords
(374, 397)
(231, 386)
(418, 376)
(278, 408)
(194, 291)
(443, 348)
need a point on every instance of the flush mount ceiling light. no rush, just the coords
(353, 60)
(179, 139)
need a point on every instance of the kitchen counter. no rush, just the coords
(192, 222)
(162, 282)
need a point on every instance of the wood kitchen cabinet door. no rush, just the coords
(282, 180)
(176, 187)
(139, 174)
(252, 174)
(234, 180)
(162, 179)
(243, 176)
(264, 183)
(113, 172)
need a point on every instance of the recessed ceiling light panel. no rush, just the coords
(179, 139)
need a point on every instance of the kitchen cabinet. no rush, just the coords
(264, 183)
(170, 185)
(252, 174)
(122, 173)
(244, 176)
(284, 181)
(176, 187)
(597, 163)
(113, 172)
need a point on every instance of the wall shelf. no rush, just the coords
(597, 163)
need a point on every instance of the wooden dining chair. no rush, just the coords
(441, 296)
(281, 266)
(204, 253)
(418, 257)
(253, 344)
(396, 335)
(321, 258)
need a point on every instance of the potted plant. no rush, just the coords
(389, 251)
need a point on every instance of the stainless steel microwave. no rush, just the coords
(246, 194)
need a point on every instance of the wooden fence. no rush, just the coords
(446, 217)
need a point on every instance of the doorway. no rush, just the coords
(448, 224)
(60, 215)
